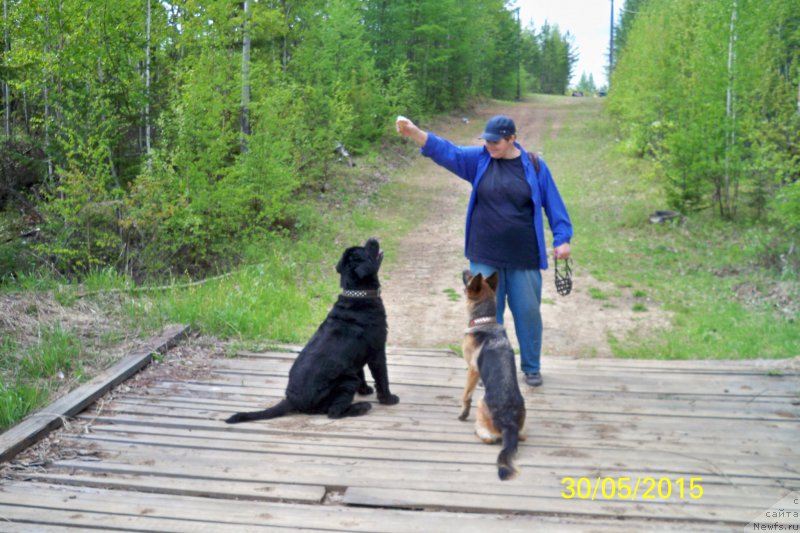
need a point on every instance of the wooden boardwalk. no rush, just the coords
(155, 455)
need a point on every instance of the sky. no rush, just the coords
(587, 20)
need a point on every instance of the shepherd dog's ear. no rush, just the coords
(493, 280)
(340, 264)
(474, 285)
(466, 275)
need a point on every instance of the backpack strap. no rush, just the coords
(535, 160)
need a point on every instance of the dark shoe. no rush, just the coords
(534, 379)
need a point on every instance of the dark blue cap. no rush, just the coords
(497, 127)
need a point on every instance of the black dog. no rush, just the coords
(330, 369)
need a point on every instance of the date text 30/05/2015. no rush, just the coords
(626, 488)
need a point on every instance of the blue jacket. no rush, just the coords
(471, 162)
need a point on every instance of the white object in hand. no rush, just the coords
(400, 118)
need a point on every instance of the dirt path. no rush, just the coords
(422, 290)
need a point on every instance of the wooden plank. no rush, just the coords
(780, 410)
(781, 430)
(537, 478)
(751, 499)
(303, 427)
(185, 486)
(688, 511)
(90, 507)
(607, 368)
(744, 469)
(598, 453)
(561, 458)
(788, 366)
(40, 519)
(646, 386)
(40, 423)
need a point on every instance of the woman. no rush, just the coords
(504, 227)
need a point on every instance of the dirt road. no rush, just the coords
(422, 290)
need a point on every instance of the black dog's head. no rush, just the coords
(359, 265)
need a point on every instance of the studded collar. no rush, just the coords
(361, 293)
(482, 320)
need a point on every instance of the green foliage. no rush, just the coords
(708, 274)
(586, 85)
(549, 58)
(721, 116)
(167, 144)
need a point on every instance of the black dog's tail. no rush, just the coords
(281, 408)
(505, 465)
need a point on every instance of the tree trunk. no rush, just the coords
(147, 145)
(245, 111)
(6, 88)
(730, 115)
(611, 46)
(46, 96)
(285, 55)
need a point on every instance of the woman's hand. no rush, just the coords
(563, 251)
(406, 128)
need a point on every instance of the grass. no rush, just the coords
(30, 373)
(693, 267)
(597, 294)
(452, 295)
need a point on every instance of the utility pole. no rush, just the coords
(611, 45)
(519, 53)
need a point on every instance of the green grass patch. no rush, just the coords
(57, 351)
(17, 400)
(597, 294)
(30, 373)
(695, 267)
(457, 349)
(452, 295)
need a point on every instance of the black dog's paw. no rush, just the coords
(235, 419)
(365, 389)
(355, 409)
(390, 399)
(359, 408)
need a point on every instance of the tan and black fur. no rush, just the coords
(490, 358)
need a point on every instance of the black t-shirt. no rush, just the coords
(501, 228)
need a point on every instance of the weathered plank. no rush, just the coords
(40, 423)
(414, 466)
(106, 509)
(156, 482)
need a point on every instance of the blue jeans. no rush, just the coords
(523, 289)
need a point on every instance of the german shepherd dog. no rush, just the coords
(329, 370)
(489, 356)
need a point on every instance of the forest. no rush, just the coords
(710, 90)
(153, 137)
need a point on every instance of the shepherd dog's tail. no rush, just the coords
(281, 408)
(505, 466)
